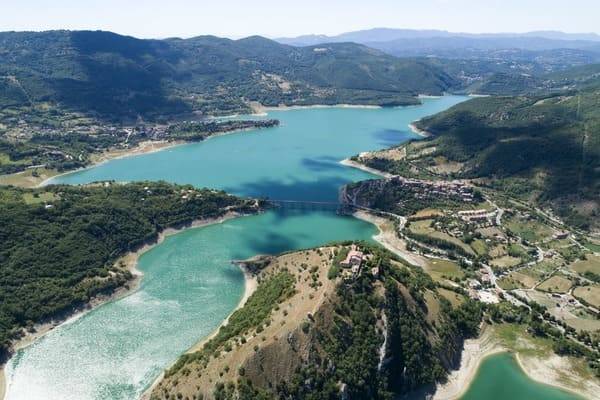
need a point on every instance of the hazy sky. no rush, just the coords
(273, 18)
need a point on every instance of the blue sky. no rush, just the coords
(273, 18)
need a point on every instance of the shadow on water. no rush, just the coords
(270, 243)
(390, 137)
(320, 164)
(325, 189)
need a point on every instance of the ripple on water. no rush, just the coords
(189, 285)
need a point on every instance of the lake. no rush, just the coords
(190, 286)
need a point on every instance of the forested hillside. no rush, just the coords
(315, 330)
(118, 76)
(59, 245)
(549, 146)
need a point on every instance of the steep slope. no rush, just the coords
(544, 149)
(120, 76)
(315, 330)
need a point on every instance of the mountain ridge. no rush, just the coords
(111, 74)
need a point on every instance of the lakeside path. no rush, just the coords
(129, 261)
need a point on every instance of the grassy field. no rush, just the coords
(26, 179)
(583, 321)
(555, 284)
(427, 213)
(454, 298)
(530, 230)
(42, 197)
(589, 294)
(424, 227)
(505, 261)
(480, 247)
(491, 232)
(517, 280)
(441, 270)
(595, 247)
(590, 264)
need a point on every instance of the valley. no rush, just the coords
(380, 214)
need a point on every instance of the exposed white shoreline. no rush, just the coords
(130, 260)
(353, 164)
(544, 373)
(420, 132)
(139, 151)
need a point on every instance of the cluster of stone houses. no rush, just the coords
(455, 190)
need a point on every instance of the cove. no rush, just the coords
(189, 285)
(500, 377)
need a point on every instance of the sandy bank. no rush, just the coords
(388, 238)
(473, 354)
(557, 371)
(250, 285)
(418, 131)
(129, 262)
(350, 163)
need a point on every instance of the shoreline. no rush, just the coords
(414, 129)
(541, 371)
(546, 371)
(140, 149)
(131, 261)
(474, 353)
(250, 286)
(388, 238)
(353, 164)
(116, 154)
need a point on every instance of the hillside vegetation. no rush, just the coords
(59, 245)
(550, 145)
(311, 331)
(542, 149)
(117, 76)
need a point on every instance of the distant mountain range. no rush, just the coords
(390, 34)
(417, 43)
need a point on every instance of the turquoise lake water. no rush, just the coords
(189, 286)
(499, 377)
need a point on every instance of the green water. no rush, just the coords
(189, 286)
(499, 377)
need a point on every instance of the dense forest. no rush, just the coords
(59, 245)
(118, 76)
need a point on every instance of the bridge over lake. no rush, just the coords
(307, 205)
